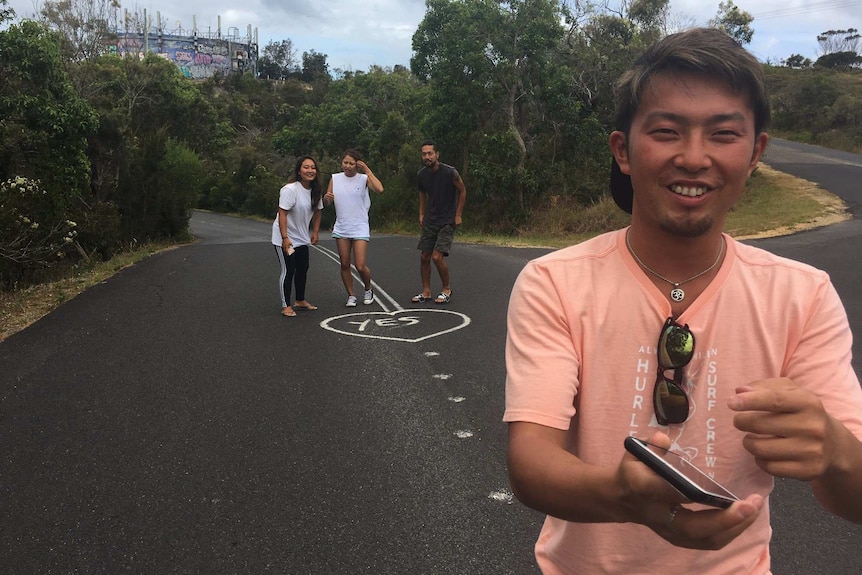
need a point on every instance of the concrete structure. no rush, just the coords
(197, 55)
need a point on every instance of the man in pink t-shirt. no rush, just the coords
(765, 389)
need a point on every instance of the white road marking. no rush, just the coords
(406, 323)
(442, 375)
(372, 325)
(457, 399)
(379, 292)
(463, 434)
(504, 496)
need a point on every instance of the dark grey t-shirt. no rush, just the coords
(442, 194)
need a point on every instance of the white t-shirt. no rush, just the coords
(352, 203)
(580, 356)
(296, 200)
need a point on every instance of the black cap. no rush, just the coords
(621, 187)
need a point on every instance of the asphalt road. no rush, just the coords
(169, 420)
(806, 539)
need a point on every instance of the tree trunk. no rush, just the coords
(522, 148)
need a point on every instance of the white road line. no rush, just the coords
(379, 292)
(503, 495)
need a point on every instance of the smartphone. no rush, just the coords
(693, 483)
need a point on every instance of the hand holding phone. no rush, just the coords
(693, 483)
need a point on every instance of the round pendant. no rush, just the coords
(677, 294)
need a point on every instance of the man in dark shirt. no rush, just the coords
(441, 201)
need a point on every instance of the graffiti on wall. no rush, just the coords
(197, 58)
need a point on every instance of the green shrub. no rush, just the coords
(99, 229)
(34, 234)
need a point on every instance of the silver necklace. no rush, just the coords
(676, 294)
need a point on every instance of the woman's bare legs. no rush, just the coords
(344, 248)
(360, 249)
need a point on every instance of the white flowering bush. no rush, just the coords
(32, 234)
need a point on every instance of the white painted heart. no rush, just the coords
(410, 325)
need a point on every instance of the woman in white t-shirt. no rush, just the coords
(349, 191)
(299, 203)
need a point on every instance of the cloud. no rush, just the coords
(356, 35)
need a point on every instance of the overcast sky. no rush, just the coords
(357, 34)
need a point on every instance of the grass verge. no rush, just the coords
(773, 204)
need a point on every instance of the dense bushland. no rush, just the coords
(99, 153)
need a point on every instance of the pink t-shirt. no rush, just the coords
(580, 356)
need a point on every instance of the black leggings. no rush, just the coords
(294, 270)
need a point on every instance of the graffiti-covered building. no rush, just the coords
(198, 55)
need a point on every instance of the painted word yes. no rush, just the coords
(386, 322)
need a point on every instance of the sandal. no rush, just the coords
(307, 306)
(288, 312)
(420, 298)
(443, 297)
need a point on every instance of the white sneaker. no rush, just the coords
(369, 297)
(351, 301)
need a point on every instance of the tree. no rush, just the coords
(598, 51)
(154, 126)
(650, 17)
(797, 61)
(833, 41)
(44, 170)
(5, 13)
(448, 54)
(734, 22)
(45, 125)
(495, 56)
(353, 112)
(839, 60)
(314, 67)
(278, 60)
(85, 25)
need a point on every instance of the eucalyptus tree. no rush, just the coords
(734, 22)
(278, 60)
(315, 68)
(601, 44)
(833, 41)
(449, 54)
(86, 26)
(6, 13)
(840, 49)
(487, 64)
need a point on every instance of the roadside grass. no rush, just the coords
(774, 204)
(848, 141)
